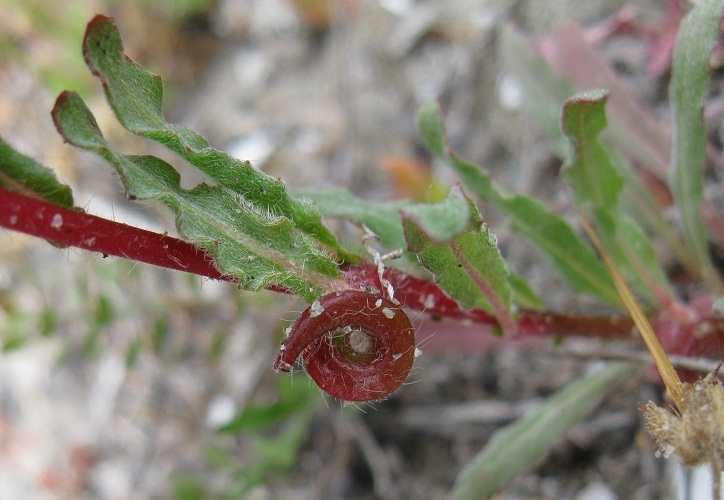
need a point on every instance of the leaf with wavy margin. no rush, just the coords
(136, 97)
(259, 247)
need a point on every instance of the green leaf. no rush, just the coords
(258, 417)
(133, 350)
(518, 446)
(383, 219)
(136, 97)
(47, 322)
(159, 333)
(189, 487)
(24, 175)
(279, 429)
(452, 241)
(104, 313)
(647, 210)
(575, 260)
(259, 247)
(543, 94)
(432, 130)
(523, 294)
(280, 452)
(697, 35)
(597, 187)
(596, 181)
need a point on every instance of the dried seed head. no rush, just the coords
(696, 435)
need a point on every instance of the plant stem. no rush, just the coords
(73, 227)
(76, 228)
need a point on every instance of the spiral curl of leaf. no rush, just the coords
(357, 346)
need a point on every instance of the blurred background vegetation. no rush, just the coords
(120, 380)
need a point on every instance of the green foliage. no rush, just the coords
(383, 219)
(23, 323)
(631, 133)
(574, 259)
(259, 417)
(60, 28)
(597, 186)
(22, 174)
(133, 351)
(159, 333)
(520, 445)
(689, 83)
(103, 316)
(136, 97)
(595, 180)
(257, 232)
(598, 181)
(31, 24)
(246, 240)
(277, 431)
(247, 222)
(452, 241)
(48, 322)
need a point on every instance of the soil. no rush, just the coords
(123, 394)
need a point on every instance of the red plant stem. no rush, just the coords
(415, 293)
(364, 371)
(73, 227)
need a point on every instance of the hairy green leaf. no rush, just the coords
(24, 175)
(452, 241)
(260, 247)
(136, 97)
(689, 80)
(521, 444)
(574, 259)
(383, 219)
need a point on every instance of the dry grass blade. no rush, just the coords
(695, 434)
(661, 359)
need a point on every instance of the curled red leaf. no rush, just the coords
(357, 346)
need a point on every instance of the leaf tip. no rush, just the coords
(101, 33)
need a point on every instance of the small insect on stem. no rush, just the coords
(357, 346)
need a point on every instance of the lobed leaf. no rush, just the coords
(259, 247)
(384, 220)
(136, 97)
(573, 56)
(575, 260)
(24, 175)
(518, 446)
(452, 241)
(697, 35)
(568, 54)
(597, 186)
(596, 181)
